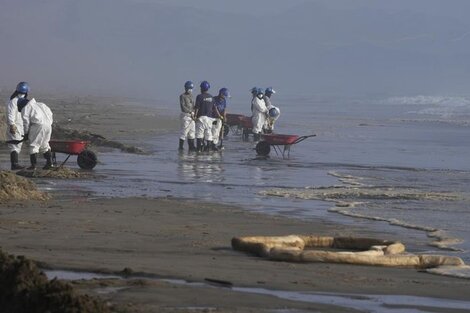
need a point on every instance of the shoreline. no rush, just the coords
(186, 239)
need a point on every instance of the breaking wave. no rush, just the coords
(436, 106)
(429, 100)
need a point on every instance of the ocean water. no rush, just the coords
(397, 166)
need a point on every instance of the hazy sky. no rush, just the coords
(148, 48)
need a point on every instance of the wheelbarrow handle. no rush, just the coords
(15, 141)
(302, 138)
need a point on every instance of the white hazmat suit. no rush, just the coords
(259, 115)
(270, 120)
(14, 121)
(37, 123)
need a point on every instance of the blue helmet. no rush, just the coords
(22, 87)
(224, 92)
(274, 112)
(259, 91)
(205, 86)
(254, 90)
(188, 85)
(270, 91)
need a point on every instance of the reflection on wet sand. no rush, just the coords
(205, 167)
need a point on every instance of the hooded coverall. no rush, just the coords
(37, 123)
(269, 124)
(259, 115)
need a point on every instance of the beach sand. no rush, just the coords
(190, 240)
(184, 239)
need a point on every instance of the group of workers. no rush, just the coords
(31, 121)
(203, 120)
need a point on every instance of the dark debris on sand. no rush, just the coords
(61, 133)
(25, 289)
(56, 172)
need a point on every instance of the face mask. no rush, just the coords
(260, 96)
(189, 91)
(20, 95)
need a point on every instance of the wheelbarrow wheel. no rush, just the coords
(87, 160)
(226, 130)
(263, 148)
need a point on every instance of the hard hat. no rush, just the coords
(270, 91)
(205, 86)
(274, 112)
(224, 92)
(260, 91)
(254, 90)
(22, 87)
(188, 85)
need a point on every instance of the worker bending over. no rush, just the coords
(273, 111)
(37, 124)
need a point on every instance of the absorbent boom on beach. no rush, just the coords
(349, 250)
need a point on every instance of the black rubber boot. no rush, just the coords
(199, 144)
(14, 161)
(33, 159)
(191, 146)
(214, 147)
(181, 146)
(48, 157)
(208, 145)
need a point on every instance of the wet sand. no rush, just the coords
(186, 239)
(189, 240)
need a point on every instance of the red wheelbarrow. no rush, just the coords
(86, 159)
(277, 141)
(238, 123)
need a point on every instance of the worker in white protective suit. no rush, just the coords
(188, 126)
(37, 124)
(259, 114)
(273, 111)
(15, 124)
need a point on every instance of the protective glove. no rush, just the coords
(13, 129)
